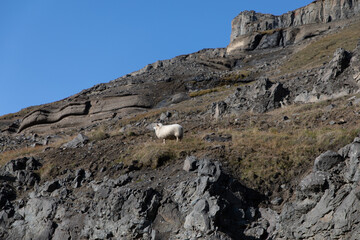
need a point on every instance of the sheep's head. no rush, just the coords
(157, 126)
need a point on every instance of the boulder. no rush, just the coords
(327, 160)
(260, 97)
(79, 141)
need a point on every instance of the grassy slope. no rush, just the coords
(316, 53)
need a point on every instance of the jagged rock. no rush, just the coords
(355, 64)
(259, 97)
(21, 171)
(7, 194)
(190, 163)
(270, 40)
(51, 186)
(249, 24)
(79, 141)
(327, 160)
(218, 109)
(336, 66)
(165, 115)
(326, 205)
(335, 80)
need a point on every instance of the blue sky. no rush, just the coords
(52, 49)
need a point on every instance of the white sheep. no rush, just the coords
(169, 131)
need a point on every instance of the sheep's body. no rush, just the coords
(169, 131)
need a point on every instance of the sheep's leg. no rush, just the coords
(177, 139)
(164, 141)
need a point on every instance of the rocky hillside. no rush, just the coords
(270, 148)
(251, 30)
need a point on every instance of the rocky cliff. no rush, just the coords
(251, 30)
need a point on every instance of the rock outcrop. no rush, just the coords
(202, 202)
(261, 96)
(327, 200)
(252, 30)
(337, 78)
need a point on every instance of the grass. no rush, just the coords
(19, 153)
(28, 151)
(322, 50)
(265, 156)
(271, 31)
(98, 134)
(155, 154)
(236, 76)
(203, 92)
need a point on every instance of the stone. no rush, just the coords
(218, 109)
(190, 163)
(51, 186)
(209, 169)
(165, 115)
(262, 96)
(79, 141)
(315, 182)
(327, 160)
(277, 201)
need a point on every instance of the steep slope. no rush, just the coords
(253, 163)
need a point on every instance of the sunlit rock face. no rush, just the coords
(249, 27)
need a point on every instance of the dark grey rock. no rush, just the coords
(327, 160)
(259, 97)
(51, 186)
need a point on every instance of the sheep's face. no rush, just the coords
(157, 126)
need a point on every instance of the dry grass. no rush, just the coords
(19, 153)
(264, 156)
(155, 153)
(322, 50)
(203, 92)
(98, 134)
(29, 151)
(236, 76)
(271, 31)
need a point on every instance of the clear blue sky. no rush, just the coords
(52, 49)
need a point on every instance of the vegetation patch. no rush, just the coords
(270, 31)
(265, 156)
(236, 76)
(19, 153)
(322, 50)
(203, 92)
(155, 154)
(99, 134)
